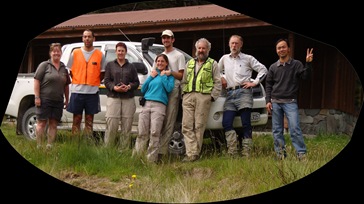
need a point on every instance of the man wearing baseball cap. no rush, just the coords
(176, 68)
(168, 33)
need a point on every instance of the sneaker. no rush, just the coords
(186, 159)
(233, 155)
(301, 156)
(281, 156)
(49, 146)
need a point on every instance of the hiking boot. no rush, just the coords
(247, 147)
(231, 142)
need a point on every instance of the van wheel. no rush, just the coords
(29, 124)
(177, 144)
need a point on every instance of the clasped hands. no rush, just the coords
(154, 73)
(121, 87)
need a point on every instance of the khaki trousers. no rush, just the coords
(119, 112)
(169, 120)
(196, 108)
(150, 125)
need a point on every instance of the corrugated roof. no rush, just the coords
(153, 15)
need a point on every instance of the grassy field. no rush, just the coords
(214, 177)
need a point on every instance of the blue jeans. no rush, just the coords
(291, 111)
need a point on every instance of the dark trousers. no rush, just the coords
(228, 119)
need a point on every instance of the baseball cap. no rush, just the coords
(167, 32)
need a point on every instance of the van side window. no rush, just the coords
(110, 55)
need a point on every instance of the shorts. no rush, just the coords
(49, 109)
(90, 103)
(238, 99)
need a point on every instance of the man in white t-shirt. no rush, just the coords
(87, 71)
(176, 68)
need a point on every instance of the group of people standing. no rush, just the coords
(197, 82)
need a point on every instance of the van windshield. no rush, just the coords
(153, 52)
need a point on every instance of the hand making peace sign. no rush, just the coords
(309, 56)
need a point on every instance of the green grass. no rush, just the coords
(215, 177)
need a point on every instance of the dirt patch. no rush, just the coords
(95, 184)
(199, 173)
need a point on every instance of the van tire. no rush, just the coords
(29, 124)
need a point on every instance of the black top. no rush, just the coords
(282, 81)
(114, 74)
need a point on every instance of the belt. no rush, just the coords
(235, 87)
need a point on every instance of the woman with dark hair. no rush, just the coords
(156, 90)
(121, 79)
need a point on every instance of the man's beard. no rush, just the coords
(235, 51)
(202, 56)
